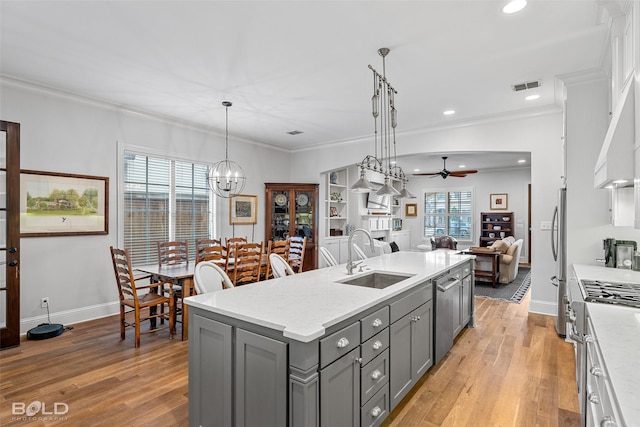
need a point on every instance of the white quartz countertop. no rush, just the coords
(617, 329)
(302, 306)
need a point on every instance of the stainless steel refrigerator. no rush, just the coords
(559, 249)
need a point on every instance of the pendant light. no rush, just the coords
(226, 177)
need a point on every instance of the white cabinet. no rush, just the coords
(338, 246)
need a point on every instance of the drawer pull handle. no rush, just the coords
(377, 345)
(342, 342)
(375, 412)
(593, 398)
(376, 374)
(596, 371)
(376, 323)
(608, 421)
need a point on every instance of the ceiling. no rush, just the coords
(301, 64)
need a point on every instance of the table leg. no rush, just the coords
(187, 284)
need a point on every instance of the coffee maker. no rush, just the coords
(619, 253)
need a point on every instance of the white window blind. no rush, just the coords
(448, 213)
(164, 200)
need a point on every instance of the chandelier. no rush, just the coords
(385, 119)
(226, 177)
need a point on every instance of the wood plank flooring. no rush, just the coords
(510, 370)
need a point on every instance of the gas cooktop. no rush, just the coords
(611, 292)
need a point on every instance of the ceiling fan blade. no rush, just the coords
(426, 174)
(462, 172)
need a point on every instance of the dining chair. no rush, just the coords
(297, 246)
(280, 266)
(247, 264)
(230, 242)
(209, 277)
(280, 247)
(359, 252)
(210, 250)
(146, 305)
(327, 257)
(174, 252)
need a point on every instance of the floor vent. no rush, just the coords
(527, 85)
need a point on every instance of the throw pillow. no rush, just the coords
(394, 247)
(500, 246)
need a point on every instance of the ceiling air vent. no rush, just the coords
(294, 132)
(527, 85)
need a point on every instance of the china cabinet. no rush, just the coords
(292, 210)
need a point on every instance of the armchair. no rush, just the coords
(444, 242)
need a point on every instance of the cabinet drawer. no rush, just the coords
(339, 343)
(373, 376)
(374, 323)
(374, 346)
(410, 302)
(374, 412)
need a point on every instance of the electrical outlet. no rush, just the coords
(44, 302)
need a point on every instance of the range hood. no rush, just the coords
(615, 162)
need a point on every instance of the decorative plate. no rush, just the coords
(302, 199)
(280, 199)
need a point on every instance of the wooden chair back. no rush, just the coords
(231, 242)
(210, 250)
(172, 253)
(279, 247)
(132, 301)
(297, 247)
(247, 264)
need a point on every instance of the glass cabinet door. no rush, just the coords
(304, 214)
(280, 220)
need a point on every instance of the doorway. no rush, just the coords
(9, 234)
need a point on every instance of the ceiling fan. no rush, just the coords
(444, 173)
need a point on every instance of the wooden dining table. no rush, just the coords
(180, 275)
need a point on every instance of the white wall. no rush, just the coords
(69, 135)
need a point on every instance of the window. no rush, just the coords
(448, 213)
(164, 199)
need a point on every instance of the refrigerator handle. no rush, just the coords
(554, 221)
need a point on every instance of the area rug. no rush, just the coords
(511, 292)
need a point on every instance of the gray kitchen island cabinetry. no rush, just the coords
(307, 350)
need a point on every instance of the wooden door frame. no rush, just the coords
(10, 334)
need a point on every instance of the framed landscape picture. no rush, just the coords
(61, 204)
(243, 209)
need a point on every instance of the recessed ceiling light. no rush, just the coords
(522, 161)
(462, 166)
(514, 6)
(532, 97)
(416, 170)
(449, 112)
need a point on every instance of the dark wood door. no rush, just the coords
(10, 234)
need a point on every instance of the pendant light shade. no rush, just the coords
(226, 177)
(362, 185)
(404, 193)
(387, 189)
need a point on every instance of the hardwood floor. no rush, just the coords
(510, 370)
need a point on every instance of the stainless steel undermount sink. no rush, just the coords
(376, 279)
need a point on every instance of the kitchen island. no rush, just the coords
(307, 350)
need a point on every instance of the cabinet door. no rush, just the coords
(410, 351)
(261, 380)
(457, 308)
(340, 392)
(210, 373)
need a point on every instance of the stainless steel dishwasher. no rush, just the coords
(445, 288)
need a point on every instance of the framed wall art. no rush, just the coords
(498, 202)
(411, 209)
(243, 209)
(61, 204)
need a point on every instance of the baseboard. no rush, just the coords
(543, 307)
(70, 317)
